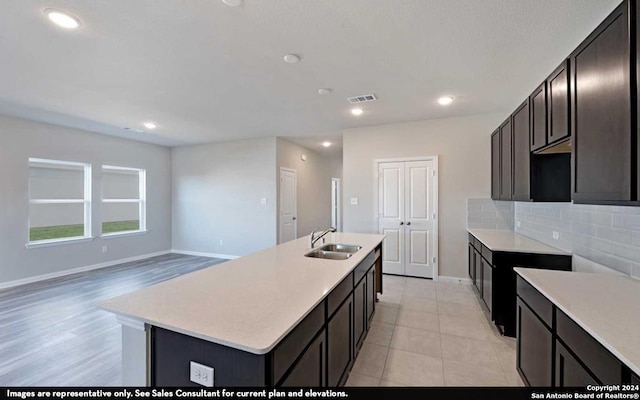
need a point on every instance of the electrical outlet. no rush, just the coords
(354, 201)
(556, 235)
(263, 201)
(201, 374)
(220, 242)
(517, 224)
(105, 249)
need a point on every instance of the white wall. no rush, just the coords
(464, 150)
(313, 184)
(21, 139)
(217, 192)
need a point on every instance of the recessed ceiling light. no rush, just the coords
(325, 90)
(445, 100)
(326, 144)
(232, 3)
(149, 125)
(62, 18)
(356, 111)
(291, 58)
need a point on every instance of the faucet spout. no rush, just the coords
(313, 238)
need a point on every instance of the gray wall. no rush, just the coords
(217, 192)
(463, 147)
(313, 184)
(609, 235)
(489, 214)
(21, 139)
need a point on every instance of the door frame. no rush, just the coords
(295, 205)
(434, 159)
(337, 205)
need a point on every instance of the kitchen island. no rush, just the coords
(271, 318)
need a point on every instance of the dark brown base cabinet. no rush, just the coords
(552, 350)
(494, 280)
(318, 352)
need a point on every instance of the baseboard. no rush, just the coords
(454, 279)
(202, 254)
(38, 278)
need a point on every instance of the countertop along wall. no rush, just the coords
(463, 147)
(21, 139)
(217, 192)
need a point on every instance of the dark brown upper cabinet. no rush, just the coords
(506, 161)
(601, 119)
(538, 101)
(521, 153)
(495, 165)
(558, 97)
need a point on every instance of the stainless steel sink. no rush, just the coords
(340, 248)
(329, 255)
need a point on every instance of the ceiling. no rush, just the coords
(205, 72)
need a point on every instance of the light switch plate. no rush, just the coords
(201, 374)
(517, 224)
(263, 200)
(556, 235)
(354, 201)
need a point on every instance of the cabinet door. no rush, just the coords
(472, 264)
(478, 271)
(538, 101)
(340, 342)
(534, 351)
(635, 380)
(569, 371)
(487, 283)
(371, 294)
(359, 313)
(600, 110)
(506, 162)
(309, 371)
(495, 165)
(521, 153)
(558, 119)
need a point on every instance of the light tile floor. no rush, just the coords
(433, 334)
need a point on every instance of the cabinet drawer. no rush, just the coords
(487, 254)
(604, 366)
(291, 346)
(363, 267)
(536, 301)
(338, 294)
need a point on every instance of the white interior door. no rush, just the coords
(407, 215)
(288, 206)
(419, 218)
(390, 216)
(336, 221)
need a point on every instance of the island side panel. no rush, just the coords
(172, 352)
(378, 263)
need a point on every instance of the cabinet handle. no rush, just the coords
(409, 223)
(401, 223)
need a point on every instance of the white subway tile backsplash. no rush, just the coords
(609, 235)
(489, 214)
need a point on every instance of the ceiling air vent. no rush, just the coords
(362, 98)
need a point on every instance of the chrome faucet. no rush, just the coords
(313, 238)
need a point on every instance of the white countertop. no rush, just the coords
(512, 242)
(606, 306)
(249, 303)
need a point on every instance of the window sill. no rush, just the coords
(122, 234)
(57, 242)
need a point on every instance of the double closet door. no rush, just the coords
(407, 215)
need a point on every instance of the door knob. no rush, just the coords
(401, 223)
(409, 223)
(294, 218)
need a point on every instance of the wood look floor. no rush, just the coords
(53, 334)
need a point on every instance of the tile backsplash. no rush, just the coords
(609, 235)
(489, 214)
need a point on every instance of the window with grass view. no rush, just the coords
(59, 200)
(123, 200)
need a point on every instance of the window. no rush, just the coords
(59, 200)
(123, 200)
